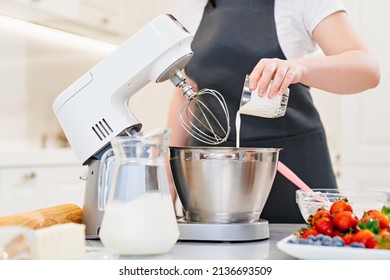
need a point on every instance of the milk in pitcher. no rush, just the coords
(145, 225)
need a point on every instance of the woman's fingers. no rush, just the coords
(278, 80)
(274, 73)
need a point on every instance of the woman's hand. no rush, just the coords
(282, 73)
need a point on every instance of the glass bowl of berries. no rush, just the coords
(359, 200)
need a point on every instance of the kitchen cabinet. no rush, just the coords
(39, 182)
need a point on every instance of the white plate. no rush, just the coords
(312, 252)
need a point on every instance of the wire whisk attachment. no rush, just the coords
(198, 113)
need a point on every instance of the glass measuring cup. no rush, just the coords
(139, 216)
(252, 104)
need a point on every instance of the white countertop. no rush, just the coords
(252, 250)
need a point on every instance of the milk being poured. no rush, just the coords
(238, 127)
(251, 108)
(144, 225)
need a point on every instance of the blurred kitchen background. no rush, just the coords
(45, 45)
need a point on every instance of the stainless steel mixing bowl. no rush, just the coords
(222, 184)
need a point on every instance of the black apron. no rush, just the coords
(230, 40)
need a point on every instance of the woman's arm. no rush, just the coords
(347, 67)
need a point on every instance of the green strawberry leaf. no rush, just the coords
(383, 242)
(386, 210)
(371, 225)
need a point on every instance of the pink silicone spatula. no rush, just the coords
(292, 177)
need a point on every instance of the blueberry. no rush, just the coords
(311, 237)
(317, 243)
(327, 241)
(322, 240)
(337, 238)
(304, 241)
(357, 245)
(327, 238)
(320, 236)
(311, 241)
(338, 241)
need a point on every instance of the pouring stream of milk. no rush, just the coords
(238, 127)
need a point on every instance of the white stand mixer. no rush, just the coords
(93, 110)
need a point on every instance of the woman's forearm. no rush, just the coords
(345, 73)
(348, 66)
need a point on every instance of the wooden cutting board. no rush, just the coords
(40, 218)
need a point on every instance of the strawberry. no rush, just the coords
(347, 238)
(345, 220)
(380, 216)
(371, 225)
(366, 237)
(386, 211)
(337, 232)
(308, 231)
(320, 213)
(340, 205)
(324, 225)
(384, 239)
(384, 232)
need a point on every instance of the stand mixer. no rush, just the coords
(93, 110)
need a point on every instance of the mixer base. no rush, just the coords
(192, 231)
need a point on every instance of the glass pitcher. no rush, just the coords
(139, 217)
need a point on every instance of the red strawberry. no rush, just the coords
(340, 205)
(320, 213)
(307, 232)
(324, 225)
(370, 215)
(366, 237)
(348, 238)
(345, 220)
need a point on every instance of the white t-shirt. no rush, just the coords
(295, 21)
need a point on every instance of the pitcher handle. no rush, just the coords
(103, 187)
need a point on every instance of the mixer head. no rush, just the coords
(94, 109)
